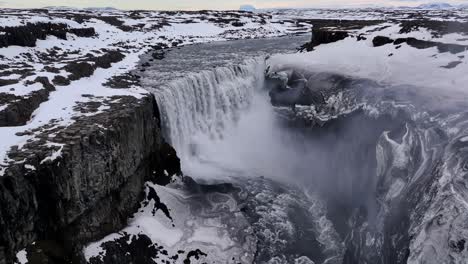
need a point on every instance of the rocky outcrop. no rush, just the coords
(420, 44)
(28, 34)
(83, 182)
(19, 109)
(80, 69)
(381, 40)
(324, 36)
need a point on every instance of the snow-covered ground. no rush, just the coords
(131, 33)
(135, 33)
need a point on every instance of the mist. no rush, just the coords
(336, 160)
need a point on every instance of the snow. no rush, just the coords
(30, 167)
(192, 228)
(55, 155)
(157, 231)
(22, 257)
(211, 235)
(60, 103)
(360, 59)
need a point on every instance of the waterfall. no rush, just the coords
(207, 103)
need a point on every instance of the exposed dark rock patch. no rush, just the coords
(339, 24)
(83, 32)
(51, 69)
(170, 165)
(324, 36)
(91, 188)
(196, 254)
(107, 59)
(79, 70)
(50, 252)
(123, 81)
(5, 82)
(381, 40)
(20, 108)
(452, 64)
(158, 205)
(27, 35)
(140, 249)
(437, 27)
(61, 81)
(420, 44)
(423, 44)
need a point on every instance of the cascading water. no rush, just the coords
(330, 182)
(225, 130)
(203, 106)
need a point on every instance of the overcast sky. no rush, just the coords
(212, 4)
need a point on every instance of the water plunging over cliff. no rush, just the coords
(346, 177)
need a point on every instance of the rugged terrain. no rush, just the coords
(83, 153)
(79, 136)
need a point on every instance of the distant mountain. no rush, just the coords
(435, 6)
(248, 8)
(61, 7)
(77, 8)
(108, 8)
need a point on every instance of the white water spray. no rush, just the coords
(222, 124)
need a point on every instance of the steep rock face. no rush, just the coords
(324, 36)
(19, 109)
(85, 188)
(27, 35)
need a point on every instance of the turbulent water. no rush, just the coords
(367, 173)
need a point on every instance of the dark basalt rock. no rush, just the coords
(61, 81)
(170, 165)
(140, 249)
(50, 252)
(91, 189)
(324, 36)
(158, 205)
(437, 27)
(83, 32)
(27, 35)
(237, 24)
(123, 81)
(107, 59)
(381, 40)
(79, 70)
(5, 82)
(20, 108)
(423, 44)
(420, 44)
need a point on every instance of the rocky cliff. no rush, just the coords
(83, 183)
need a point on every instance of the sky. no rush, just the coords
(213, 4)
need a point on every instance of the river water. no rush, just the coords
(353, 179)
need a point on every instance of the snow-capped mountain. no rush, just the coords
(248, 8)
(435, 6)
